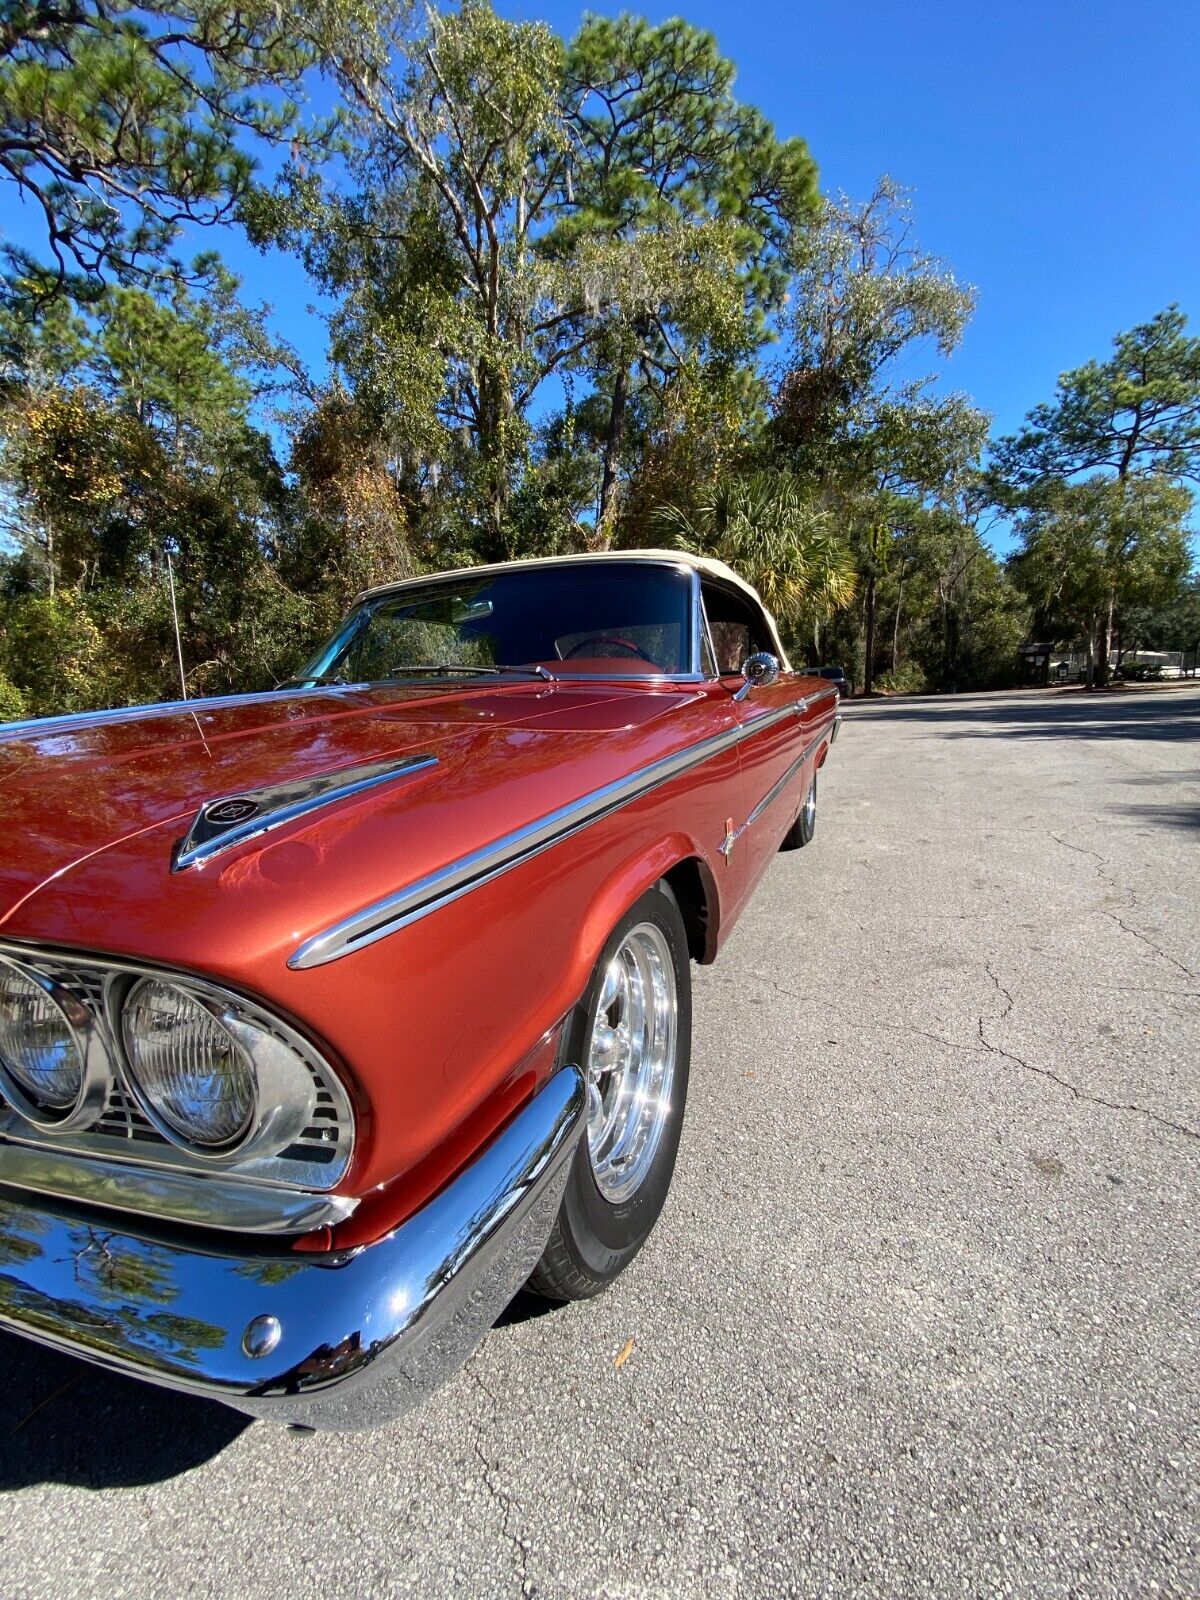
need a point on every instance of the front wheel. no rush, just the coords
(631, 1035)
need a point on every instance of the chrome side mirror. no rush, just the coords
(760, 671)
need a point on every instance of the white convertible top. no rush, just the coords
(677, 558)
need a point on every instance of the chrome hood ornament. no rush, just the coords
(232, 819)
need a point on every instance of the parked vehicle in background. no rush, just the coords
(1150, 666)
(331, 1016)
(834, 675)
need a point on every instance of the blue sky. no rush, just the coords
(1053, 151)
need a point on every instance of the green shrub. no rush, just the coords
(54, 654)
(907, 679)
(12, 701)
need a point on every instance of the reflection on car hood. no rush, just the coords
(74, 789)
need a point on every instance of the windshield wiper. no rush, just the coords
(444, 668)
(313, 677)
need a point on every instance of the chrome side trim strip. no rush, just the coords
(223, 823)
(220, 1203)
(448, 883)
(781, 784)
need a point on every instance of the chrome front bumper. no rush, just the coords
(329, 1341)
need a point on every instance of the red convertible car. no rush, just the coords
(330, 1017)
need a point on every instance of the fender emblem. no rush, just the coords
(727, 843)
(224, 813)
(221, 824)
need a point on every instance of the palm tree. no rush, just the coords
(762, 526)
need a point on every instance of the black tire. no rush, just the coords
(801, 831)
(593, 1240)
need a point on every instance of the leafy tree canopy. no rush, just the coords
(604, 212)
(122, 121)
(1136, 413)
(867, 301)
(554, 267)
(879, 445)
(764, 526)
(1089, 550)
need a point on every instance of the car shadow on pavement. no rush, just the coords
(524, 1307)
(65, 1421)
(1167, 716)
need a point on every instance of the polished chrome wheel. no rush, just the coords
(810, 807)
(631, 1035)
(631, 1061)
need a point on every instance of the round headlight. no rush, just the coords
(191, 1075)
(38, 1047)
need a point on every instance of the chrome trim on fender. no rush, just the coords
(448, 883)
(355, 1337)
(170, 1196)
(781, 784)
(732, 835)
(232, 819)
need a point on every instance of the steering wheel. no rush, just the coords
(611, 643)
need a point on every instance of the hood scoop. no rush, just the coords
(232, 819)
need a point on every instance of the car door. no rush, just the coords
(775, 772)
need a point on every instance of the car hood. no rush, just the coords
(94, 807)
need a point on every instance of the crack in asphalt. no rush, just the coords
(991, 1049)
(1081, 849)
(1147, 941)
(1083, 1094)
(501, 1498)
(1065, 1083)
(1107, 877)
(1000, 989)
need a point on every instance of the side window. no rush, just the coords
(735, 626)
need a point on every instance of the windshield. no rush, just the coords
(616, 619)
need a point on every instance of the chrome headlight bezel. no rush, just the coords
(279, 1149)
(96, 1065)
(283, 1095)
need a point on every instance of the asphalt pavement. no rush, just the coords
(921, 1314)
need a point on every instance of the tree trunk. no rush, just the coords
(1105, 634)
(869, 649)
(896, 629)
(493, 399)
(606, 512)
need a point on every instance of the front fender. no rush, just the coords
(640, 868)
(626, 884)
